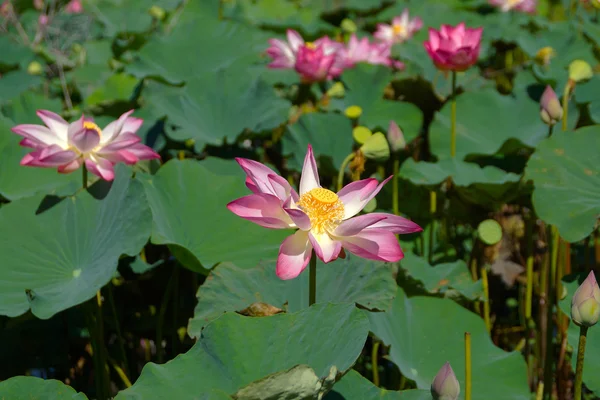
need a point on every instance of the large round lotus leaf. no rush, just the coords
(176, 58)
(215, 107)
(30, 388)
(591, 379)
(329, 134)
(235, 351)
(425, 332)
(354, 386)
(55, 256)
(486, 186)
(17, 181)
(353, 280)
(564, 170)
(365, 85)
(445, 278)
(188, 203)
(485, 120)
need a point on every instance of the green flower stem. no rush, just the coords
(375, 367)
(467, 366)
(486, 299)
(312, 280)
(396, 167)
(453, 117)
(579, 369)
(84, 176)
(120, 339)
(340, 179)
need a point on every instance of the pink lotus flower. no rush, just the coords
(325, 220)
(527, 6)
(401, 29)
(74, 7)
(67, 146)
(454, 48)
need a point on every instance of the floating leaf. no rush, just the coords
(354, 280)
(565, 173)
(200, 225)
(234, 351)
(60, 257)
(426, 332)
(31, 388)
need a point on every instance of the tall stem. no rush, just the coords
(84, 176)
(453, 117)
(579, 368)
(396, 167)
(467, 366)
(340, 179)
(312, 280)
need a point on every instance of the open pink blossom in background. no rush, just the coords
(401, 29)
(325, 221)
(66, 146)
(454, 48)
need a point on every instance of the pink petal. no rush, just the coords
(38, 134)
(114, 129)
(262, 209)
(376, 245)
(55, 122)
(356, 195)
(325, 247)
(70, 167)
(353, 226)
(394, 223)
(294, 255)
(101, 167)
(309, 179)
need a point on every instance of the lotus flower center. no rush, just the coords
(323, 207)
(398, 29)
(89, 125)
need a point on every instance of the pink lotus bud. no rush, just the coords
(395, 137)
(445, 385)
(585, 306)
(550, 109)
(454, 48)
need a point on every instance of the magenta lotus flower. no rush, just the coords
(401, 29)
(326, 221)
(67, 146)
(526, 6)
(284, 53)
(454, 48)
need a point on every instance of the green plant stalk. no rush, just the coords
(453, 117)
(340, 179)
(395, 170)
(486, 299)
(312, 280)
(579, 369)
(467, 366)
(374, 356)
(161, 319)
(120, 339)
(551, 281)
(432, 210)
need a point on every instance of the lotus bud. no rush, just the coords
(376, 147)
(580, 70)
(445, 385)
(353, 112)
(585, 305)
(550, 109)
(395, 137)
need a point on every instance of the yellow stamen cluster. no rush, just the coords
(92, 126)
(323, 207)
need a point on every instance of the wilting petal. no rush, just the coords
(298, 217)
(375, 244)
(325, 247)
(353, 226)
(310, 175)
(100, 167)
(393, 223)
(356, 195)
(70, 167)
(114, 129)
(262, 209)
(39, 134)
(55, 122)
(294, 255)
